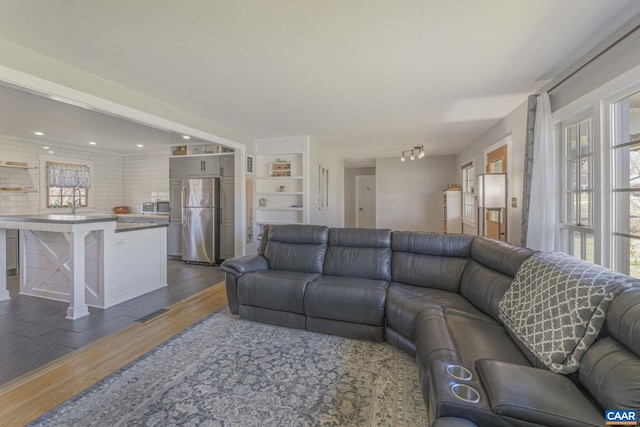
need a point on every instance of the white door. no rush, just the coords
(366, 201)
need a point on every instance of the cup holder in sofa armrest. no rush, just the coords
(535, 395)
(465, 392)
(459, 372)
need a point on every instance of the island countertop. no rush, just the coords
(59, 218)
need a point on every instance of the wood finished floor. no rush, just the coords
(28, 397)
(33, 331)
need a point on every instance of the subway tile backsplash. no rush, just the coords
(117, 180)
(146, 178)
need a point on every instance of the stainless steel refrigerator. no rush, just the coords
(201, 220)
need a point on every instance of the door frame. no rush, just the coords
(507, 140)
(356, 199)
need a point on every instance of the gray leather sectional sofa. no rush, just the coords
(555, 346)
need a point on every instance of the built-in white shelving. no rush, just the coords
(452, 205)
(16, 189)
(17, 166)
(281, 181)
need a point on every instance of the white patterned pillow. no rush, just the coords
(557, 305)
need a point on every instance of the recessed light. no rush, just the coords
(92, 143)
(38, 133)
(186, 137)
(46, 147)
(139, 145)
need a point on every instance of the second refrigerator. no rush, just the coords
(201, 220)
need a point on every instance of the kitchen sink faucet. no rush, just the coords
(75, 202)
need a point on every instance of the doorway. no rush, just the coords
(496, 220)
(365, 201)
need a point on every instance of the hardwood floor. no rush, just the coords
(106, 341)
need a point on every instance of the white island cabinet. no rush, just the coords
(86, 260)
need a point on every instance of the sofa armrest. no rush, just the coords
(535, 395)
(236, 267)
(244, 264)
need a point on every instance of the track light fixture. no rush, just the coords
(415, 151)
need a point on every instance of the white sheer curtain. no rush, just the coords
(541, 232)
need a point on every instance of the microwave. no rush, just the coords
(159, 207)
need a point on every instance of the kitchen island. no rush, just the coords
(85, 260)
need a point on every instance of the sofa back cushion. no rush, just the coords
(490, 272)
(610, 372)
(430, 260)
(359, 252)
(500, 256)
(623, 318)
(610, 368)
(296, 247)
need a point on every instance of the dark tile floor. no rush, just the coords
(33, 331)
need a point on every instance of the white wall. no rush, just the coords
(616, 61)
(409, 194)
(515, 125)
(350, 193)
(106, 190)
(332, 216)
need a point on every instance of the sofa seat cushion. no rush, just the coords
(347, 299)
(346, 329)
(536, 395)
(461, 337)
(275, 289)
(404, 302)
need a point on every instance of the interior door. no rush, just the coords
(366, 201)
(497, 221)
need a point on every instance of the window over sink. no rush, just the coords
(63, 176)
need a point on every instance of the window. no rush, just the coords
(468, 193)
(578, 189)
(625, 221)
(62, 180)
(59, 197)
(600, 191)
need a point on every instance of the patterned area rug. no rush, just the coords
(224, 371)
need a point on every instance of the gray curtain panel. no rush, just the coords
(528, 167)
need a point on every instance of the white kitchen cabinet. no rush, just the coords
(146, 219)
(201, 166)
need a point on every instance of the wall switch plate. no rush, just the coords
(514, 202)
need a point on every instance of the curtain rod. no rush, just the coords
(612, 45)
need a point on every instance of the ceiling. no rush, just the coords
(368, 78)
(23, 113)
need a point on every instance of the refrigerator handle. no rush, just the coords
(184, 210)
